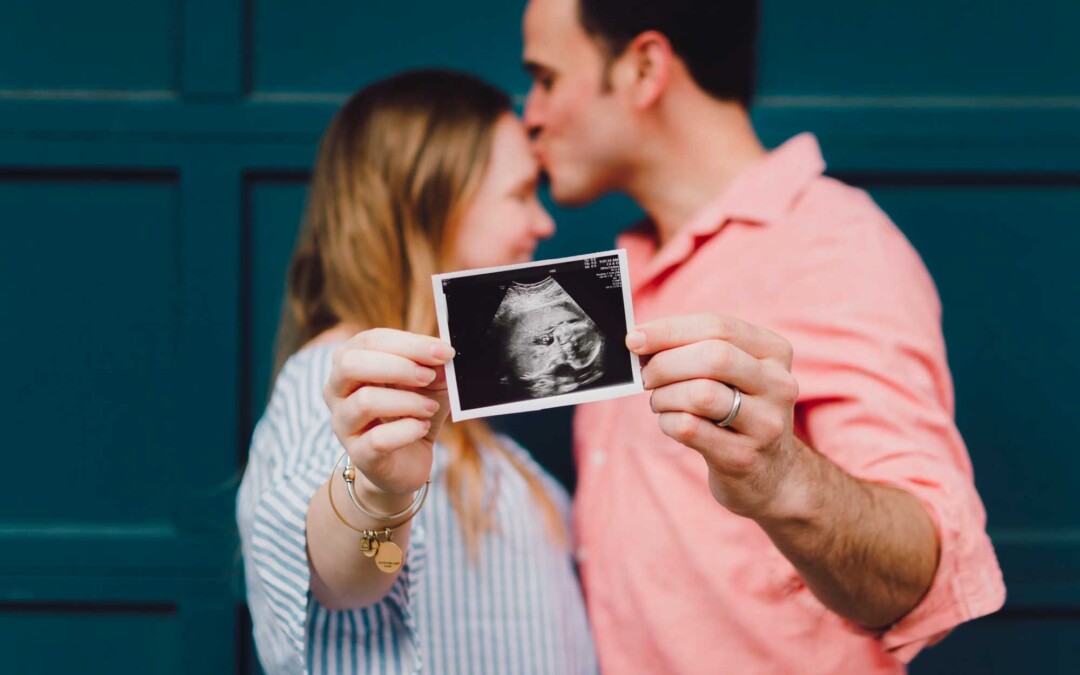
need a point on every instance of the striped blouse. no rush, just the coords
(517, 608)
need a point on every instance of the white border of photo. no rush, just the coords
(573, 398)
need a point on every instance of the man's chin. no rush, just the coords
(567, 193)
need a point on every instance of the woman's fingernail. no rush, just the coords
(635, 340)
(442, 351)
(431, 405)
(424, 375)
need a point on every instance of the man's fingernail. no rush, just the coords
(635, 340)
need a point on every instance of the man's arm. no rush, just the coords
(867, 551)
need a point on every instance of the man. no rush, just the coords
(833, 525)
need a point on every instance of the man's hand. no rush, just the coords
(867, 551)
(695, 363)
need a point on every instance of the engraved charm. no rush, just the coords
(389, 557)
(369, 546)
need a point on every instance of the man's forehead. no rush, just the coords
(551, 23)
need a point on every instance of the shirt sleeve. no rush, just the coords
(877, 399)
(272, 507)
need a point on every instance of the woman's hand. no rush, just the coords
(388, 401)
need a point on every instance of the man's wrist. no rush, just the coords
(796, 501)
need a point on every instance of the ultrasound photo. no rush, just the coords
(539, 335)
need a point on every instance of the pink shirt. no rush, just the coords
(674, 582)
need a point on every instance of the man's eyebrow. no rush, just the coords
(533, 68)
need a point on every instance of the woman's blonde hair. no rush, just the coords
(396, 167)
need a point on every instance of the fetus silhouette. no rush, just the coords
(548, 344)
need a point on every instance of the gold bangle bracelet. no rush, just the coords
(330, 493)
(388, 556)
(349, 474)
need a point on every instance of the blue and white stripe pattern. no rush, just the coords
(517, 608)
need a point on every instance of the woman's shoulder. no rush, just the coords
(312, 356)
(296, 400)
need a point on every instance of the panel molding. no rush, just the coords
(196, 615)
(137, 552)
(253, 178)
(212, 47)
(69, 95)
(89, 174)
(1041, 568)
(95, 608)
(881, 137)
(962, 180)
(807, 102)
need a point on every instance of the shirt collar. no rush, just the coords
(766, 189)
(762, 193)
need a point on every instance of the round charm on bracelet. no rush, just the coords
(389, 557)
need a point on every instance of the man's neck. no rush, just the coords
(695, 156)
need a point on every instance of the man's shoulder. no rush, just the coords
(840, 231)
(830, 200)
(833, 213)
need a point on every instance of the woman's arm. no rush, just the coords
(388, 401)
(342, 577)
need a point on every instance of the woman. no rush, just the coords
(421, 173)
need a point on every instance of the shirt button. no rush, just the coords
(598, 458)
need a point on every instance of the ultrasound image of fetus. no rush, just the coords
(549, 344)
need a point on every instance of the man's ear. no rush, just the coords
(647, 66)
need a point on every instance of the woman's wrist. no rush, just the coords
(378, 500)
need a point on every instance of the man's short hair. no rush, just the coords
(717, 39)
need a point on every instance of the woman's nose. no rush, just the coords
(543, 226)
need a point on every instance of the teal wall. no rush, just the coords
(153, 159)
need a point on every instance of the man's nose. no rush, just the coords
(532, 118)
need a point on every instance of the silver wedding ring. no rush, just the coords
(734, 409)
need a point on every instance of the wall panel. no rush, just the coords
(1003, 257)
(302, 52)
(96, 638)
(72, 49)
(90, 265)
(274, 207)
(906, 50)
